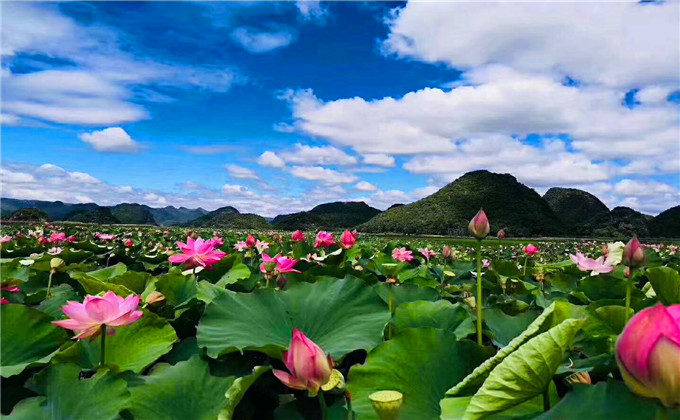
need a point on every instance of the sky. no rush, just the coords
(274, 107)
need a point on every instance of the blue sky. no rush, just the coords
(277, 106)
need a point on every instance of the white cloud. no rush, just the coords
(236, 189)
(155, 199)
(365, 186)
(312, 10)
(379, 159)
(125, 189)
(16, 177)
(324, 175)
(8, 119)
(322, 155)
(237, 171)
(646, 188)
(619, 43)
(99, 89)
(50, 169)
(83, 178)
(111, 140)
(261, 42)
(271, 159)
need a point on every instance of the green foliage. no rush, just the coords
(30, 214)
(666, 224)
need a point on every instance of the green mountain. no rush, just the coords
(133, 214)
(579, 211)
(338, 215)
(101, 215)
(56, 210)
(170, 215)
(230, 218)
(508, 204)
(29, 214)
(666, 224)
(628, 222)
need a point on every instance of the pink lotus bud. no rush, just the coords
(250, 241)
(348, 239)
(447, 252)
(154, 297)
(297, 236)
(479, 225)
(648, 354)
(501, 234)
(308, 365)
(530, 250)
(605, 250)
(633, 253)
(129, 243)
(88, 317)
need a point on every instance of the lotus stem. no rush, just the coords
(629, 286)
(524, 269)
(390, 307)
(479, 292)
(546, 398)
(322, 404)
(49, 284)
(103, 346)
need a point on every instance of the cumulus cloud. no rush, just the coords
(321, 174)
(599, 43)
(379, 159)
(365, 186)
(111, 140)
(313, 155)
(312, 10)
(271, 159)
(237, 171)
(98, 89)
(261, 42)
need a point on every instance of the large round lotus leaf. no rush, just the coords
(27, 336)
(340, 315)
(441, 314)
(422, 364)
(188, 390)
(607, 401)
(132, 347)
(101, 397)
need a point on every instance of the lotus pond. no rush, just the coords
(146, 323)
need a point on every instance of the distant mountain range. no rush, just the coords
(508, 203)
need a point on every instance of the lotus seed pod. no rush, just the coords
(387, 404)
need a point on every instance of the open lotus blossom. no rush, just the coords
(486, 263)
(588, 264)
(297, 236)
(402, 255)
(479, 225)
(197, 252)
(217, 241)
(648, 354)
(261, 245)
(308, 365)
(241, 246)
(57, 238)
(278, 264)
(71, 239)
(104, 236)
(348, 239)
(530, 250)
(55, 250)
(87, 318)
(324, 240)
(129, 243)
(5, 239)
(427, 253)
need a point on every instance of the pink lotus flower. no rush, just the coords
(501, 234)
(43, 240)
(71, 239)
(486, 263)
(308, 365)
(479, 225)
(129, 243)
(278, 264)
(217, 241)
(297, 236)
(427, 253)
(588, 264)
(241, 246)
(348, 239)
(633, 254)
(261, 246)
(648, 354)
(530, 250)
(57, 238)
(250, 241)
(104, 236)
(447, 252)
(197, 253)
(402, 255)
(324, 240)
(5, 239)
(3, 301)
(87, 318)
(55, 250)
